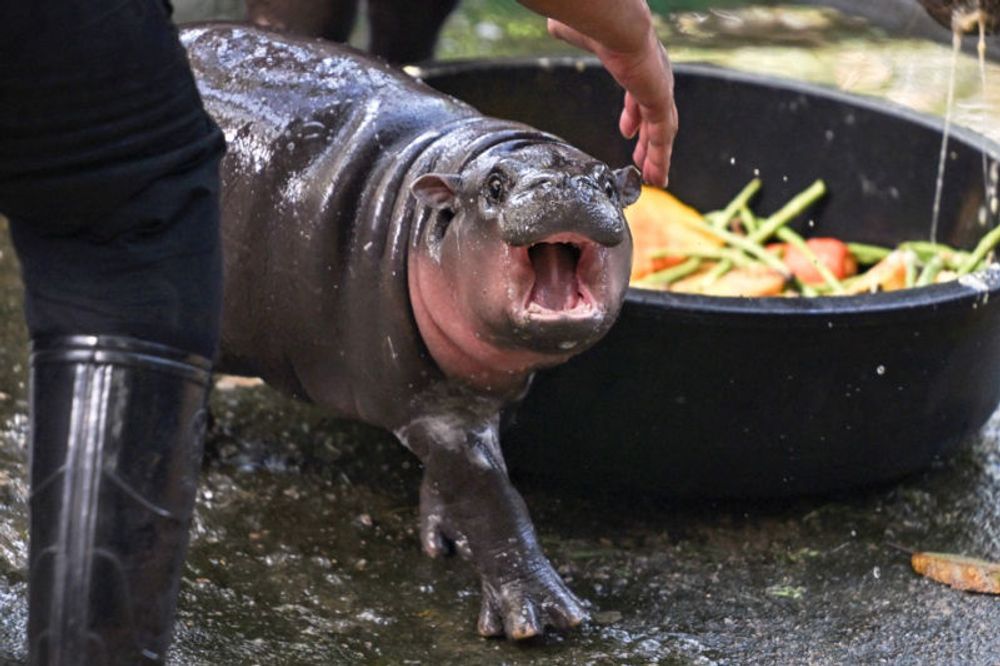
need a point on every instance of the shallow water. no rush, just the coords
(304, 549)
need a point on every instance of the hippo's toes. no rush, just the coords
(524, 608)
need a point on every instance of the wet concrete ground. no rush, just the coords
(304, 552)
(304, 549)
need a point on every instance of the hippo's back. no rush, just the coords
(260, 87)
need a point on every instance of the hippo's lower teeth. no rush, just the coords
(556, 286)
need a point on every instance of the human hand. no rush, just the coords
(649, 108)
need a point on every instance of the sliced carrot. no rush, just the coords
(659, 221)
(692, 284)
(747, 281)
(958, 571)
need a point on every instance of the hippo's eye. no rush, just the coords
(494, 188)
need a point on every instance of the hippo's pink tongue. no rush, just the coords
(555, 275)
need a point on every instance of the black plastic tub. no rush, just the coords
(727, 397)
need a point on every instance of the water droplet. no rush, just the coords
(880, 370)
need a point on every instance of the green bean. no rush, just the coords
(732, 208)
(822, 289)
(926, 250)
(930, 271)
(789, 211)
(924, 247)
(670, 275)
(717, 271)
(751, 247)
(806, 289)
(720, 253)
(847, 282)
(868, 254)
(986, 244)
(910, 261)
(749, 220)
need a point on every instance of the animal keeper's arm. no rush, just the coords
(621, 34)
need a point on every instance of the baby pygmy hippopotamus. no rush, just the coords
(397, 257)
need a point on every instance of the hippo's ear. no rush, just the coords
(436, 190)
(629, 184)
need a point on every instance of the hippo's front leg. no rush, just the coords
(467, 501)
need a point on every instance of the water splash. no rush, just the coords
(964, 20)
(946, 134)
(981, 50)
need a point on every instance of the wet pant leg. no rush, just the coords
(109, 173)
(109, 177)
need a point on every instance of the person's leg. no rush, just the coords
(117, 425)
(329, 19)
(403, 31)
(109, 175)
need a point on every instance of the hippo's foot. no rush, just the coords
(525, 606)
(522, 593)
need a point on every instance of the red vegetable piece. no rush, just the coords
(833, 253)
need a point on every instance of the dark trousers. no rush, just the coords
(109, 173)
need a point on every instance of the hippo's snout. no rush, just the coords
(586, 203)
(577, 209)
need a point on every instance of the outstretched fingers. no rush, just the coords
(649, 109)
(631, 118)
(659, 143)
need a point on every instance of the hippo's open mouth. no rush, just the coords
(559, 264)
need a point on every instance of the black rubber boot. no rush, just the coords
(117, 429)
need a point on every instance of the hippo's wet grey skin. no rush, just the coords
(399, 30)
(964, 15)
(400, 259)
